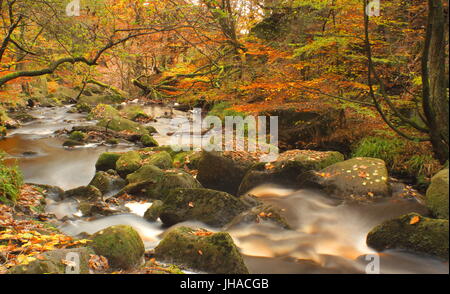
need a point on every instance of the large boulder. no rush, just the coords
(121, 245)
(437, 195)
(361, 179)
(153, 183)
(288, 167)
(108, 182)
(213, 253)
(412, 232)
(128, 163)
(214, 208)
(224, 171)
(57, 262)
(107, 161)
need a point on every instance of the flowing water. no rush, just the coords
(327, 237)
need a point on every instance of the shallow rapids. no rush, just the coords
(327, 237)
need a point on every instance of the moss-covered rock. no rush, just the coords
(224, 171)
(128, 163)
(160, 159)
(52, 262)
(77, 136)
(288, 167)
(97, 99)
(149, 141)
(259, 214)
(151, 130)
(120, 124)
(414, 233)
(121, 245)
(153, 183)
(90, 193)
(361, 179)
(153, 212)
(108, 183)
(214, 208)
(437, 195)
(107, 161)
(72, 143)
(201, 250)
(190, 159)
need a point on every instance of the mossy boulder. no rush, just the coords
(151, 130)
(101, 98)
(412, 232)
(52, 262)
(149, 141)
(121, 245)
(77, 136)
(214, 208)
(153, 212)
(360, 179)
(128, 163)
(210, 252)
(103, 111)
(437, 195)
(90, 193)
(120, 124)
(260, 214)
(161, 159)
(287, 168)
(224, 171)
(190, 159)
(108, 182)
(107, 161)
(153, 183)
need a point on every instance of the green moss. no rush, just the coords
(149, 141)
(11, 181)
(121, 245)
(107, 161)
(145, 173)
(152, 184)
(437, 195)
(161, 159)
(77, 136)
(224, 109)
(190, 158)
(128, 163)
(211, 207)
(215, 253)
(101, 99)
(382, 148)
(107, 182)
(427, 236)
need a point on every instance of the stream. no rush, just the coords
(327, 237)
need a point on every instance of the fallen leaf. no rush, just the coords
(414, 220)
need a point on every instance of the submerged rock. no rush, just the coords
(360, 178)
(121, 245)
(437, 195)
(53, 262)
(214, 253)
(287, 168)
(224, 171)
(412, 232)
(107, 161)
(214, 208)
(128, 163)
(259, 214)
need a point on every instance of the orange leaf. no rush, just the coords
(414, 220)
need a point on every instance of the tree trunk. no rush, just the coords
(435, 100)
